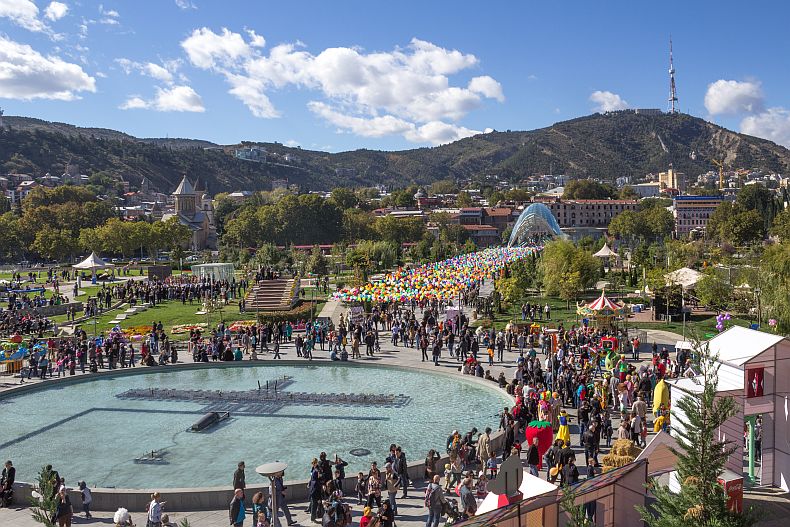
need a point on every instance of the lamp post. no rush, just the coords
(757, 292)
(272, 471)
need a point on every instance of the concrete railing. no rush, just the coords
(216, 498)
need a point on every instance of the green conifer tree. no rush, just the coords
(701, 456)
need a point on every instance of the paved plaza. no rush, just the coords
(411, 510)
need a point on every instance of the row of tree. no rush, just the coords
(57, 224)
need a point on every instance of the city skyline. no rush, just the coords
(340, 77)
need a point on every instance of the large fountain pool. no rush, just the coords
(101, 430)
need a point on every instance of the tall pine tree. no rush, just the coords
(701, 457)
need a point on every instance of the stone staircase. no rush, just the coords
(271, 295)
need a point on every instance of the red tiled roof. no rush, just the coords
(499, 211)
(479, 227)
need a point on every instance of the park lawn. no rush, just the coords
(700, 325)
(170, 313)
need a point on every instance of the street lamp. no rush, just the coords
(272, 471)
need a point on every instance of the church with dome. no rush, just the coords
(195, 210)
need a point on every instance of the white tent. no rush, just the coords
(92, 263)
(529, 488)
(684, 276)
(605, 252)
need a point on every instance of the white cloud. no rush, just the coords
(607, 101)
(773, 124)
(23, 13)
(434, 132)
(208, 50)
(174, 99)
(256, 40)
(56, 11)
(438, 132)
(133, 103)
(109, 16)
(487, 87)
(150, 69)
(405, 91)
(293, 143)
(733, 97)
(185, 4)
(26, 74)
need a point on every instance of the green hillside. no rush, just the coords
(601, 145)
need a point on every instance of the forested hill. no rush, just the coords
(599, 145)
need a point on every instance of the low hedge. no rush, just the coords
(300, 312)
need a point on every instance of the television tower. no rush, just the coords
(673, 94)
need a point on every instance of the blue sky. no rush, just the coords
(339, 75)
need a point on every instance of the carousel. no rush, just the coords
(601, 311)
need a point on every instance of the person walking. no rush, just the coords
(236, 510)
(86, 499)
(434, 501)
(282, 504)
(155, 511)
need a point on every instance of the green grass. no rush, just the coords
(170, 313)
(699, 324)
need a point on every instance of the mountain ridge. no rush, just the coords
(602, 146)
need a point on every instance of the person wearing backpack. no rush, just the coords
(434, 502)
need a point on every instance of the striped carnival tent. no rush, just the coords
(601, 309)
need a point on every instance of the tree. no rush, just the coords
(43, 508)
(317, 263)
(658, 221)
(170, 234)
(757, 198)
(357, 225)
(464, 200)
(700, 458)
(344, 198)
(628, 224)
(443, 186)
(576, 515)
(628, 192)
(781, 225)
(714, 292)
(400, 230)
(745, 227)
(775, 271)
(587, 189)
(11, 244)
(566, 270)
(54, 244)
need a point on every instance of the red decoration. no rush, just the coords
(543, 431)
(755, 382)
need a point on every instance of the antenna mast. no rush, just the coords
(673, 95)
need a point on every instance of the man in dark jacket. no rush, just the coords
(236, 509)
(238, 477)
(570, 474)
(533, 457)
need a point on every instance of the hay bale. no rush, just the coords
(622, 453)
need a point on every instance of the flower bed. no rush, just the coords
(186, 328)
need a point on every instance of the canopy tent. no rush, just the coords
(605, 252)
(530, 487)
(685, 276)
(214, 271)
(92, 263)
